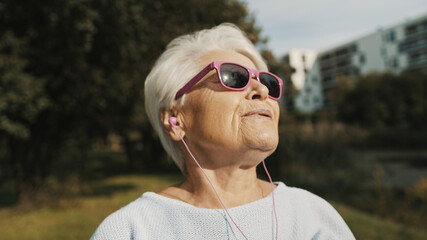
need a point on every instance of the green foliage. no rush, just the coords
(73, 71)
(385, 100)
(22, 96)
(393, 139)
(314, 157)
(320, 156)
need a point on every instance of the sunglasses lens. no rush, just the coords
(234, 76)
(271, 83)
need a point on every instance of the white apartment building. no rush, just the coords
(394, 49)
(301, 61)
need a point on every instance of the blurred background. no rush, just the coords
(76, 145)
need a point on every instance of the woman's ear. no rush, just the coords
(171, 124)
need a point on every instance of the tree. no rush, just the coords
(384, 100)
(343, 86)
(80, 72)
(22, 98)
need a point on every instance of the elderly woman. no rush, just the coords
(214, 105)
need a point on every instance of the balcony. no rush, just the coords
(347, 70)
(413, 46)
(418, 63)
(416, 30)
(334, 60)
(338, 53)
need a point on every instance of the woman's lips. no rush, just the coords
(259, 113)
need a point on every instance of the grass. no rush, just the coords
(365, 226)
(77, 218)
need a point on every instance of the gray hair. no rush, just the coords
(179, 63)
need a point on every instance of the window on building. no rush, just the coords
(395, 63)
(390, 36)
(293, 70)
(316, 99)
(414, 58)
(362, 59)
(354, 48)
(314, 79)
(306, 101)
(325, 57)
(308, 90)
(327, 79)
(411, 29)
(303, 58)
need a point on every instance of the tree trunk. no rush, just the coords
(129, 151)
(30, 160)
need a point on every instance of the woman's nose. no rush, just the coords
(257, 90)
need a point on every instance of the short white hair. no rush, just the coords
(179, 63)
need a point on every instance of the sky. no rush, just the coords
(321, 24)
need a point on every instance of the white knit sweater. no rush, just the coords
(301, 215)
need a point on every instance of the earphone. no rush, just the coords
(173, 122)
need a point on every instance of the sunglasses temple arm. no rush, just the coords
(194, 80)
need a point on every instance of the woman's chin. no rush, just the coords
(263, 146)
(264, 140)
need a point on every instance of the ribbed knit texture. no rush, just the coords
(301, 215)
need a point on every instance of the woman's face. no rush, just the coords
(218, 121)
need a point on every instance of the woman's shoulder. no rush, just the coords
(307, 204)
(299, 195)
(118, 225)
(315, 212)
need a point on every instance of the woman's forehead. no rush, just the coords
(226, 56)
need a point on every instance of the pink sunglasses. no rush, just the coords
(236, 77)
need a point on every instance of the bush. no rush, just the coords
(384, 100)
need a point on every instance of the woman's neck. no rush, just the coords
(235, 187)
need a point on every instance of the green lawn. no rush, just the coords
(78, 218)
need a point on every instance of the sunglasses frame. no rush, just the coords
(217, 65)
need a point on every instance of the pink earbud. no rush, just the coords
(172, 121)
